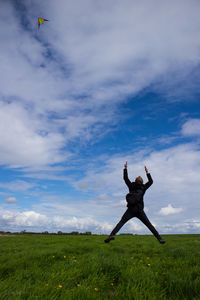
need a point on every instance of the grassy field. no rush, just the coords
(84, 267)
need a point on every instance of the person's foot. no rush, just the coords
(162, 241)
(110, 238)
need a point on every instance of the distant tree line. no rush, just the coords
(46, 232)
(57, 233)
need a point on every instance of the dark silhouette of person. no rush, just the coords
(135, 205)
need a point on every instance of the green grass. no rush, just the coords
(84, 267)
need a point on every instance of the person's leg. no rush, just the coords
(142, 216)
(126, 216)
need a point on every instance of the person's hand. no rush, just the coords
(146, 169)
(125, 166)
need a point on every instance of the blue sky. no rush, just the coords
(101, 83)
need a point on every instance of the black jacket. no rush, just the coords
(133, 186)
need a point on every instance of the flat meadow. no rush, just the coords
(84, 267)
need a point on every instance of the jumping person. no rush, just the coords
(135, 204)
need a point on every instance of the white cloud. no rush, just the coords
(186, 226)
(134, 226)
(120, 204)
(73, 223)
(22, 142)
(169, 210)
(31, 220)
(104, 227)
(82, 185)
(173, 169)
(102, 197)
(191, 127)
(16, 219)
(18, 185)
(11, 200)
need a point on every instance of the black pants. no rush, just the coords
(140, 214)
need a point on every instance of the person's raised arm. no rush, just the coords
(150, 180)
(127, 181)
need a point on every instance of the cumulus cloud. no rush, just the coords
(169, 210)
(134, 226)
(186, 226)
(29, 218)
(11, 200)
(32, 220)
(193, 222)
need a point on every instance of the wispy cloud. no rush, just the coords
(191, 128)
(18, 185)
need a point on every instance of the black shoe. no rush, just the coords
(110, 238)
(162, 241)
